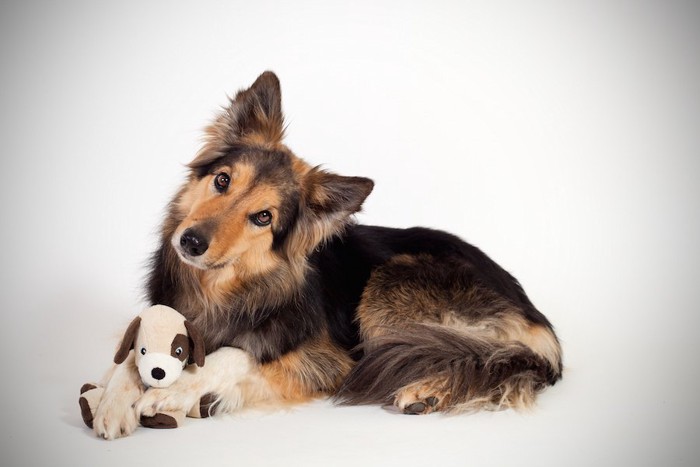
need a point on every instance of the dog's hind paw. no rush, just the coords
(421, 398)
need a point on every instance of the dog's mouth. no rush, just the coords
(202, 263)
(191, 261)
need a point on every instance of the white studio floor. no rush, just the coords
(559, 138)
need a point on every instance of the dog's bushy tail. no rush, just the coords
(473, 372)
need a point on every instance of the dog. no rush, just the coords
(295, 300)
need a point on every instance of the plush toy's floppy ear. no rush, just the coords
(197, 349)
(128, 341)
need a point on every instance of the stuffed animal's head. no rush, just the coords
(163, 342)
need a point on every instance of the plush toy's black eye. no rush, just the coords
(222, 181)
(178, 351)
(143, 350)
(262, 218)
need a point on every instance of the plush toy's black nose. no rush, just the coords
(158, 373)
(194, 243)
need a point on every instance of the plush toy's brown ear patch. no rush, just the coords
(197, 350)
(183, 343)
(128, 341)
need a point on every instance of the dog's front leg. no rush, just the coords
(229, 376)
(115, 415)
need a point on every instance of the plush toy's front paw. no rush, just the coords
(90, 395)
(165, 420)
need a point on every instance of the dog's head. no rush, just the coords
(250, 203)
(164, 342)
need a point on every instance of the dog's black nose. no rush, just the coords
(193, 243)
(158, 373)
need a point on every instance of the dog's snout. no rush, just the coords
(158, 373)
(193, 243)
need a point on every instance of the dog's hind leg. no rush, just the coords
(438, 338)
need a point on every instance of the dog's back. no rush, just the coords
(441, 326)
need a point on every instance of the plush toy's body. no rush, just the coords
(164, 342)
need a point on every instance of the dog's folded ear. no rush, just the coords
(197, 349)
(328, 193)
(254, 117)
(328, 201)
(127, 341)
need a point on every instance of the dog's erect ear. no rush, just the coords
(128, 341)
(197, 349)
(254, 117)
(259, 108)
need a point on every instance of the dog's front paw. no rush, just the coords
(115, 416)
(170, 399)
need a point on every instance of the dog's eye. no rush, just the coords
(262, 219)
(178, 351)
(222, 181)
(143, 350)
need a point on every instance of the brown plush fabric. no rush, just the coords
(86, 387)
(128, 341)
(182, 342)
(160, 421)
(85, 411)
(197, 351)
(207, 405)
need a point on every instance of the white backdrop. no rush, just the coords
(560, 137)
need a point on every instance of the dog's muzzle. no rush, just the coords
(193, 243)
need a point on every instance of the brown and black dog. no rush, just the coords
(294, 300)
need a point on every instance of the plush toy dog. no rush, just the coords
(164, 342)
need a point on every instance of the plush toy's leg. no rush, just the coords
(90, 396)
(163, 420)
(205, 408)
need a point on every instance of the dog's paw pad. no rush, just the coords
(416, 408)
(422, 398)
